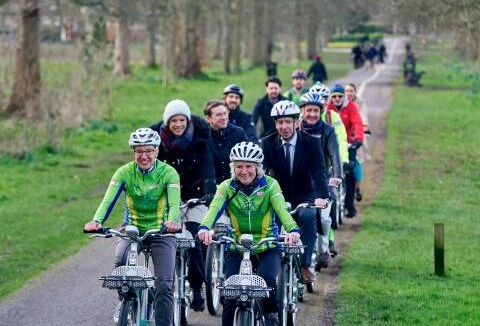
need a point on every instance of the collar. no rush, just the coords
(292, 141)
(147, 171)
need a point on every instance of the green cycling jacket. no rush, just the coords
(152, 198)
(261, 213)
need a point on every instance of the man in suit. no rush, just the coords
(296, 160)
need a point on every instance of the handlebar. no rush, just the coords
(223, 239)
(193, 202)
(108, 233)
(305, 205)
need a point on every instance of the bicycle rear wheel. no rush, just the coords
(128, 313)
(212, 270)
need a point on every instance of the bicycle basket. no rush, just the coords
(252, 285)
(136, 277)
(184, 240)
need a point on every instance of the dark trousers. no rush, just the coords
(306, 219)
(267, 265)
(196, 263)
(350, 182)
(163, 256)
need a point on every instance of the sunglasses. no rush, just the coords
(337, 96)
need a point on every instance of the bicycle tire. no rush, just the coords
(341, 204)
(311, 287)
(243, 318)
(128, 313)
(212, 294)
(291, 318)
(282, 294)
(177, 304)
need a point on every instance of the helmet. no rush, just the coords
(320, 88)
(233, 88)
(144, 136)
(299, 73)
(338, 89)
(312, 98)
(247, 152)
(176, 107)
(285, 108)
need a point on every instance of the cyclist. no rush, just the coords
(296, 160)
(333, 119)
(298, 82)
(318, 70)
(233, 97)
(312, 106)
(261, 111)
(256, 206)
(363, 155)
(185, 147)
(353, 124)
(149, 185)
(223, 136)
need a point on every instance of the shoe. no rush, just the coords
(332, 249)
(116, 314)
(307, 275)
(324, 260)
(198, 303)
(351, 213)
(271, 319)
(358, 194)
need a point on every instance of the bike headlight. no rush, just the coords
(243, 297)
(124, 288)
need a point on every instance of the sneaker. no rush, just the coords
(116, 314)
(308, 276)
(198, 302)
(351, 213)
(332, 249)
(358, 194)
(324, 260)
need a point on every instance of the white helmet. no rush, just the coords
(144, 136)
(246, 152)
(320, 88)
(283, 109)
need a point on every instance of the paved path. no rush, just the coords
(70, 293)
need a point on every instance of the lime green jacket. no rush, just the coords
(152, 198)
(261, 213)
(333, 119)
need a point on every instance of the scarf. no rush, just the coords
(173, 143)
(248, 189)
(314, 130)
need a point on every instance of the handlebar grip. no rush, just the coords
(100, 231)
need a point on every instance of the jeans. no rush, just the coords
(163, 256)
(267, 265)
(307, 221)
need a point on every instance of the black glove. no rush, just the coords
(356, 145)
(348, 167)
(207, 199)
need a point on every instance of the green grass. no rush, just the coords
(48, 193)
(432, 175)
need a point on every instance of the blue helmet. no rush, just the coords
(312, 98)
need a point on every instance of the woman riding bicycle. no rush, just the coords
(185, 147)
(256, 206)
(152, 193)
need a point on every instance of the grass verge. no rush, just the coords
(431, 175)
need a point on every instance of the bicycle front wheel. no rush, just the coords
(212, 271)
(128, 313)
(243, 318)
(283, 293)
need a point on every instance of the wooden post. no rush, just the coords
(439, 249)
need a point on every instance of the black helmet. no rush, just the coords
(233, 88)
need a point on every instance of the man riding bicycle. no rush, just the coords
(152, 193)
(296, 160)
(256, 206)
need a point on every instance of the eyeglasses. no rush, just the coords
(149, 152)
(337, 96)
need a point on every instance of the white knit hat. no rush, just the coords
(176, 107)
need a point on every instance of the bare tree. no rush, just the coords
(25, 98)
(227, 54)
(151, 23)
(236, 35)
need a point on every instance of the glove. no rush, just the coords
(348, 167)
(207, 198)
(356, 145)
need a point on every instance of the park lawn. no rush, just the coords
(432, 174)
(50, 192)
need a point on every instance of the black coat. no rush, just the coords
(308, 180)
(319, 72)
(244, 120)
(194, 164)
(261, 115)
(221, 143)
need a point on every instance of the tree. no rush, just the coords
(25, 98)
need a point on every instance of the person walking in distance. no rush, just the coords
(318, 71)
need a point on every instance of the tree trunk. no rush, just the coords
(270, 18)
(188, 63)
(237, 38)
(312, 33)
(227, 55)
(258, 44)
(217, 54)
(25, 98)
(298, 31)
(122, 44)
(151, 25)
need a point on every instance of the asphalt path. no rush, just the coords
(70, 293)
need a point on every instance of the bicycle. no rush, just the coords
(183, 292)
(290, 289)
(246, 287)
(134, 282)
(214, 270)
